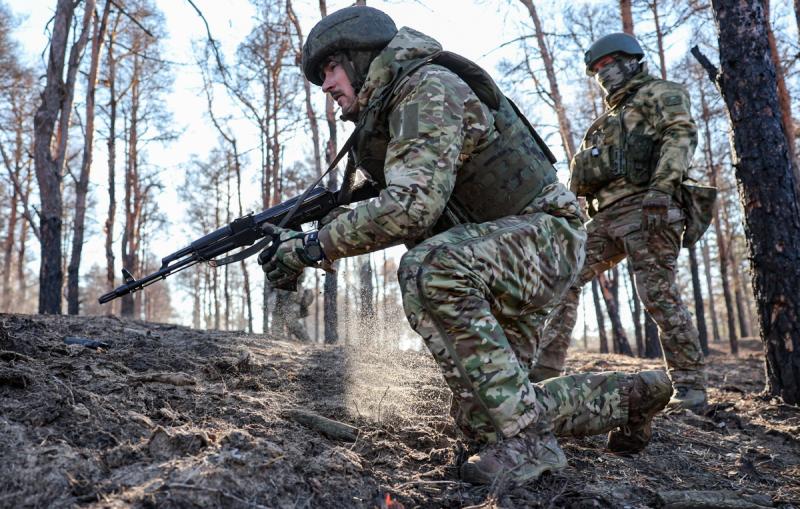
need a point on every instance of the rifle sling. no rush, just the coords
(241, 255)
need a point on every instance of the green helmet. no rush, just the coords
(610, 44)
(356, 31)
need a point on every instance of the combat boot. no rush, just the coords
(689, 398)
(522, 458)
(649, 394)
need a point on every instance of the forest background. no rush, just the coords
(185, 115)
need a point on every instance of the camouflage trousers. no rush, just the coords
(479, 295)
(613, 235)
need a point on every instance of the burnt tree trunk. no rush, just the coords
(48, 166)
(601, 321)
(699, 311)
(766, 181)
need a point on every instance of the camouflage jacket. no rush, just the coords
(648, 130)
(420, 170)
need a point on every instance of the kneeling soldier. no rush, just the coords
(494, 241)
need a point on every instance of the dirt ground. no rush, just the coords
(166, 416)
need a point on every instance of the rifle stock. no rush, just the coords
(242, 233)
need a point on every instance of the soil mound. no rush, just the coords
(135, 414)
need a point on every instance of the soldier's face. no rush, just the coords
(602, 63)
(338, 85)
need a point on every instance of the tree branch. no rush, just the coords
(711, 69)
(130, 17)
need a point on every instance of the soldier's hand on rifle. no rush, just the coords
(288, 254)
(655, 211)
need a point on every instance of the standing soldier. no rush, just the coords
(495, 240)
(630, 167)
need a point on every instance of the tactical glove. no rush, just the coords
(289, 253)
(655, 211)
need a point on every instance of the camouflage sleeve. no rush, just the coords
(427, 136)
(675, 126)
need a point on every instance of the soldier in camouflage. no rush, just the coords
(630, 167)
(494, 241)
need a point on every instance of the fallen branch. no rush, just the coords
(723, 499)
(8, 355)
(178, 378)
(328, 427)
(219, 492)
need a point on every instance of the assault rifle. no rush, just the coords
(244, 232)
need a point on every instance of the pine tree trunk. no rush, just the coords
(744, 327)
(766, 180)
(601, 322)
(48, 167)
(130, 243)
(722, 248)
(609, 287)
(784, 99)
(699, 311)
(547, 60)
(636, 309)
(367, 291)
(627, 16)
(82, 186)
(712, 307)
(797, 17)
(722, 245)
(653, 4)
(8, 252)
(652, 345)
(111, 144)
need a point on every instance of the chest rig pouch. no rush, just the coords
(500, 180)
(614, 153)
(602, 162)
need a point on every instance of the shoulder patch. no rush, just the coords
(404, 123)
(671, 99)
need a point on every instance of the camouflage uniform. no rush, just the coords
(478, 294)
(653, 115)
(291, 309)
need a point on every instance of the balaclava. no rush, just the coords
(614, 75)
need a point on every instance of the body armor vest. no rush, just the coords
(500, 180)
(630, 155)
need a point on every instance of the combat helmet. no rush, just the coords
(359, 33)
(609, 44)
